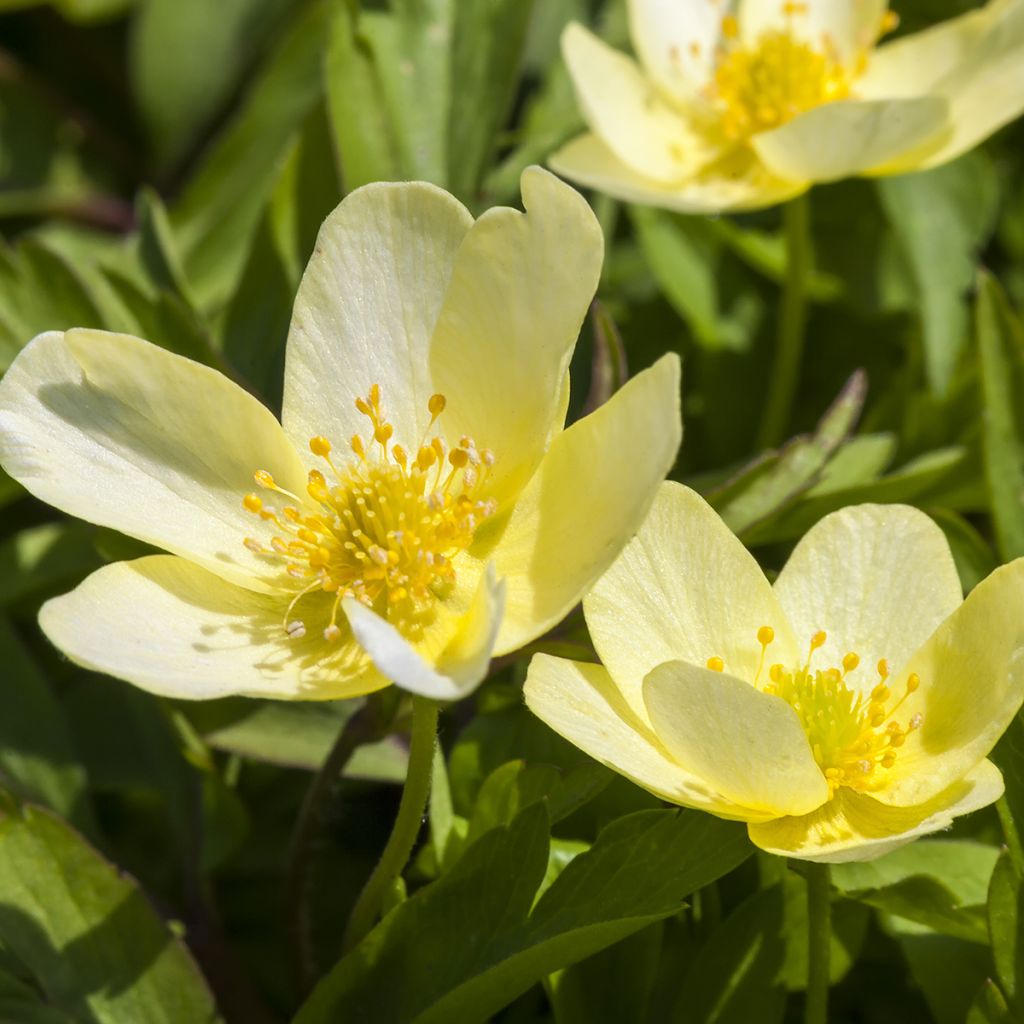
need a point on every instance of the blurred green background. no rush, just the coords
(164, 168)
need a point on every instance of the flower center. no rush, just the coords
(760, 87)
(383, 526)
(853, 737)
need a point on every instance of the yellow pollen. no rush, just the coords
(761, 86)
(380, 529)
(852, 733)
(716, 664)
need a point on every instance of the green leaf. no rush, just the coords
(177, 100)
(43, 560)
(86, 933)
(989, 1006)
(486, 943)
(1006, 927)
(36, 751)
(940, 884)
(216, 217)
(1001, 348)
(487, 47)
(779, 478)
(973, 555)
(735, 978)
(613, 986)
(943, 218)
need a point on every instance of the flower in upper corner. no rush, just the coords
(420, 506)
(741, 105)
(841, 713)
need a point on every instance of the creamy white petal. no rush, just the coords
(684, 589)
(845, 27)
(125, 434)
(622, 107)
(586, 500)
(366, 310)
(582, 704)
(519, 292)
(676, 42)
(878, 579)
(853, 826)
(735, 182)
(462, 664)
(747, 745)
(850, 137)
(176, 630)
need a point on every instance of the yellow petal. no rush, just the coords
(986, 91)
(845, 27)
(878, 579)
(853, 826)
(737, 182)
(684, 589)
(747, 745)
(582, 704)
(176, 630)
(623, 108)
(119, 432)
(851, 137)
(972, 684)
(676, 43)
(461, 665)
(914, 64)
(586, 500)
(520, 289)
(366, 310)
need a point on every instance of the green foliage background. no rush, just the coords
(164, 167)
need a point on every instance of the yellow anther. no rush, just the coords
(765, 635)
(363, 406)
(458, 457)
(357, 446)
(881, 693)
(436, 405)
(818, 640)
(888, 760)
(883, 668)
(716, 664)
(252, 502)
(399, 455)
(382, 432)
(913, 682)
(426, 457)
(850, 661)
(320, 446)
(264, 479)
(775, 673)
(332, 634)
(374, 395)
(889, 23)
(730, 26)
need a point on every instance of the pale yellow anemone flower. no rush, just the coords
(744, 104)
(841, 713)
(419, 507)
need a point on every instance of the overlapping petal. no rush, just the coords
(177, 630)
(676, 41)
(972, 684)
(122, 433)
(519, 291)
(582, 703)
(460, 664)
(586, 500)
(747, 745)
(683, 589)
(853, 826)
(735, 182)
(629, 115)
(850, 137)
(366, 311)
(878, 579)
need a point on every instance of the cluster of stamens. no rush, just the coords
(854, 737)
(383, 526)
(764, 84)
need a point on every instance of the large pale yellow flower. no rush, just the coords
(737, 104)
(420, 506)
(841, 713)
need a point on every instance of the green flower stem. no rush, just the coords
(819, 938)
(796, 222)
(368, 725)
(407, 822)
